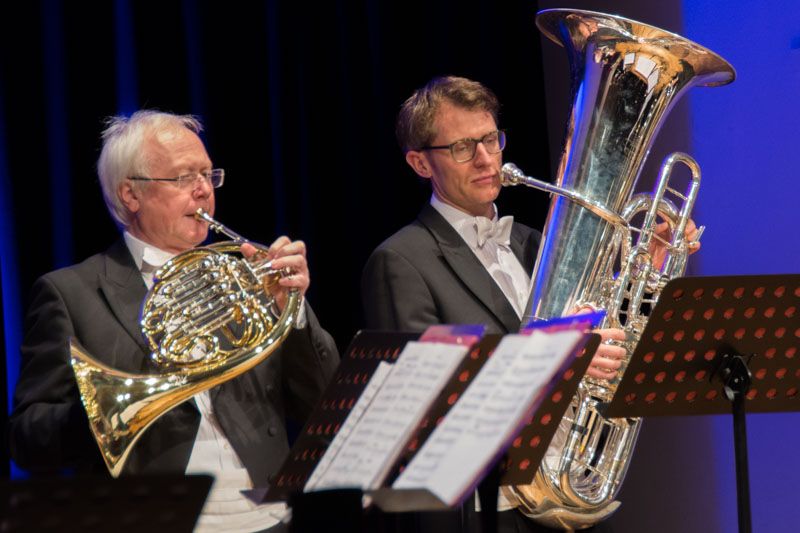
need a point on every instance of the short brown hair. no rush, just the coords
(415, 121)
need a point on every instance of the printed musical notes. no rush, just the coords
(488, 415)
(372, 441)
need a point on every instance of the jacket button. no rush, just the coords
(272, 431)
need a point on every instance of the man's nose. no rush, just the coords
(203, 187)
(482, 156)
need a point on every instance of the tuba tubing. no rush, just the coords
(511, 175)
(626, 76)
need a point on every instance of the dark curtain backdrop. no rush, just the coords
(298, 99)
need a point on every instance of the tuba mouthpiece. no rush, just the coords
(511, 174)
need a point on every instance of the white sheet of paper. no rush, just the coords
(491, 408)
(371, 448)
(378, 377)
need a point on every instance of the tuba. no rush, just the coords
(626, 76)
(208, 318)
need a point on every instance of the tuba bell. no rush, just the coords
(626, 76)
(208, 318)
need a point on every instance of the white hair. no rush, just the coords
(123, 155)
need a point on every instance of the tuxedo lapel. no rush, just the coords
(524, 247)
(468, 268)
(124, 290)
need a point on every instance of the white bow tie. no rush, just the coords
(488, 230)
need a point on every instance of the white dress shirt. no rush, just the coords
(500, 262)
(226, 508)
(496, 257)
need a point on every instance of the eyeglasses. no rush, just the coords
(215, 176)
(463, 150)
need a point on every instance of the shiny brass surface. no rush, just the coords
(626, 77)
(208, 318)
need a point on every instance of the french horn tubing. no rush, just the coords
(208, 318)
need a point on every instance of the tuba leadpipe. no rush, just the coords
(208, 318)
(626, 76)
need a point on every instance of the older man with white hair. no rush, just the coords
(155, 173)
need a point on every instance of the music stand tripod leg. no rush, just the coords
(488, 490)
(736, 377)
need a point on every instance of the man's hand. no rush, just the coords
(608, 358)
(285, 254)
(658, 250)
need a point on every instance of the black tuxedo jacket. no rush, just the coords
(98, 302)
(426, 274)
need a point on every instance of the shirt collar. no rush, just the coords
(462, 222)
(146, 256)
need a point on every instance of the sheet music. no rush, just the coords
(488, 414)
(374, 384)
(370, 449)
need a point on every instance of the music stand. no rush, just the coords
(361, 358)
(365, 352)
(527, 449)
(148, 503)
(522, 461)
(518, 463)
(717, 345)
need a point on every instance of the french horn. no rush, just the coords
(208, 318)
(626, 76)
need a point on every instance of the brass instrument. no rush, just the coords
(208, 318)
(626, 77)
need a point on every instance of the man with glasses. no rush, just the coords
(155, 174)
(458, 262)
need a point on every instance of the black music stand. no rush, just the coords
(361, 358)
(518, 461)
(717, 345)
(335, 509)
(359, 361)
(129, 504)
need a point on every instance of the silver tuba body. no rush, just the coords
(208, 318)
(626, 76)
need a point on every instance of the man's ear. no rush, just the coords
(419, 162)
(129, 196)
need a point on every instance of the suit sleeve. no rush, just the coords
(395, 295)
(48, 427)
(310, 359)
